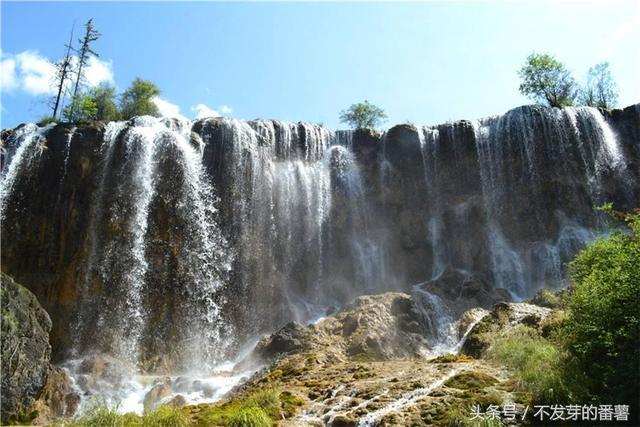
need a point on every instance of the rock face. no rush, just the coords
(462, 291)
(199, 235)
(25, 348)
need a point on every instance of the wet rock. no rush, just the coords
(178, 401)
(57, 399)
(344, 421)
(462, 291)
(25, 349)
(155, 395)
(101, 368)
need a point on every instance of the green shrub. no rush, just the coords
(166, 416)
(602, 325)
(251, 416)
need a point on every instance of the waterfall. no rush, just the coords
(141, 161)
(25, 147)
(171, 243)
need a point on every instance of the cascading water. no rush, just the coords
(185, 240)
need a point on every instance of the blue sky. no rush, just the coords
(422, 62)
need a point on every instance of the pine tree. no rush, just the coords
(91, 35)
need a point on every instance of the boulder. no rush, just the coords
(25, 349)
(155, 395)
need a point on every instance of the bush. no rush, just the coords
(166, 416)
(82, 108)
(251, 416)
(602, 326)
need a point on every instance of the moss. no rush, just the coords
(471, 380)
(362, 357)
(452, 358)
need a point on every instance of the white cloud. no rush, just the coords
(30, 72)
(8, 78)
(167, 109)
(203, 111)
(225, 109)
(98, 71)
(36, 73)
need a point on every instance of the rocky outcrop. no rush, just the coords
(501, 317)
(462, 291)
(25, 349)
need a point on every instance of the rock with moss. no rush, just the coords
(502, 316)
(25, 349)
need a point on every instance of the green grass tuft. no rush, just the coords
(251, 416)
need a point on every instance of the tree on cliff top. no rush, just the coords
(600, 90)
(91, 35)
(546, 80)
(363, 115)
(137, 100)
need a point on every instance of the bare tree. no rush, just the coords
(63, 69)
(91, 35)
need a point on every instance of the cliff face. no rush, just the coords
(157, 237)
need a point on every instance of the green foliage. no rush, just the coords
(166, 416)
(546, 80)
(251, 416)
(46, 120)
(543, 369)
(602, 326)
(600, 89)
(363, 115)
(82, 108)
(137, 100)
(104, 97)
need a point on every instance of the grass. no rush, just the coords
(251, 416)
(102, 415)
(542, 368)
(166, 416)
(262, 407)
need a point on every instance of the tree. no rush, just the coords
(63, 68)
(104, 98)
(600, 90)
(90, 35)
(363, 115)
(546, 80)
(137, 100)
(82, 108)
(603, 321)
